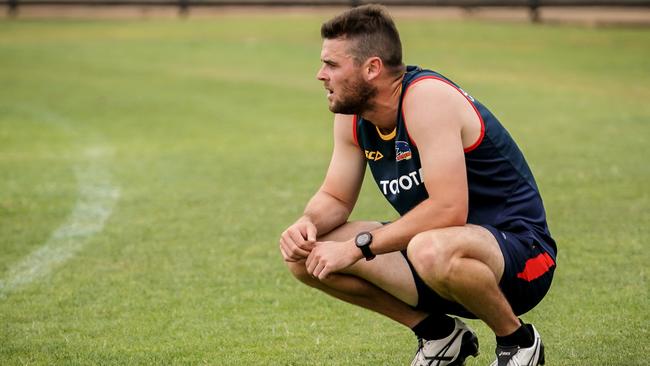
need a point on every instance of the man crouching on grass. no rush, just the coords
(472, 239)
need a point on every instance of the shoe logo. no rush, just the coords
(502, 353)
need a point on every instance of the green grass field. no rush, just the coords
(148, 167)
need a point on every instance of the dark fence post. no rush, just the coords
(534, 10)
(12, 11)
(183, 8)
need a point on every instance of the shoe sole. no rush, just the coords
(468, 347)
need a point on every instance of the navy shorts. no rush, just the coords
(527, 276)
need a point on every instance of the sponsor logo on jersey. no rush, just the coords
(373, 155)
(405, 182)
(402, 151)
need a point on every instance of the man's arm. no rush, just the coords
(440, 121)
(331, 206)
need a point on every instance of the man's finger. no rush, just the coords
(286, 257)
(319, 268)
(298, 253)
(293, 250)
(324, 273)
(307, 246)
(309, 263)
(303, 243)
(311, 233)
(296, 236)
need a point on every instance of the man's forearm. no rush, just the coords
(326, 212)
(426, 216)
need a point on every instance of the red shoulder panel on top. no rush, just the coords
(354, 130)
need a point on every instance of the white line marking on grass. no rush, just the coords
(96, 197)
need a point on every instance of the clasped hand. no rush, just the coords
(298, 243)
(331, 256)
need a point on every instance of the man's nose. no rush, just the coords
(320, 75)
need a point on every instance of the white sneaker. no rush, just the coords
(449, 351)
(517, 356)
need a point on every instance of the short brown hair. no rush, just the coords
(374, 32)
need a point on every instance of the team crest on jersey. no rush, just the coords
(402, 151)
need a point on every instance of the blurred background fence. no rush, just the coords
(183, 6)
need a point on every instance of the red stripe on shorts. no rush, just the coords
(536, 267)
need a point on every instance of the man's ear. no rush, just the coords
(373, 68)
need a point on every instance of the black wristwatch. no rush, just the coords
(363, 241)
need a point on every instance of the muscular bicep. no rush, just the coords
(435, 114)
(345, 173)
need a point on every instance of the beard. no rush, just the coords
(355, 97)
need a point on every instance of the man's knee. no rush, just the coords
(299, 271)
(434, 258)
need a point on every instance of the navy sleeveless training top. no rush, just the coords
(502, 190)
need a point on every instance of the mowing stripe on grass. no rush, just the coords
(96, 197)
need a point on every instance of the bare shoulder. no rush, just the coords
(437, 104)
(435, 93)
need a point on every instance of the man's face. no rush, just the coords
(347, 91)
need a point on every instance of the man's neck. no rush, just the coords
(383, 113)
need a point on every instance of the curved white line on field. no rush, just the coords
(96, 197)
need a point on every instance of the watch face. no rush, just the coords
(363, 239)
